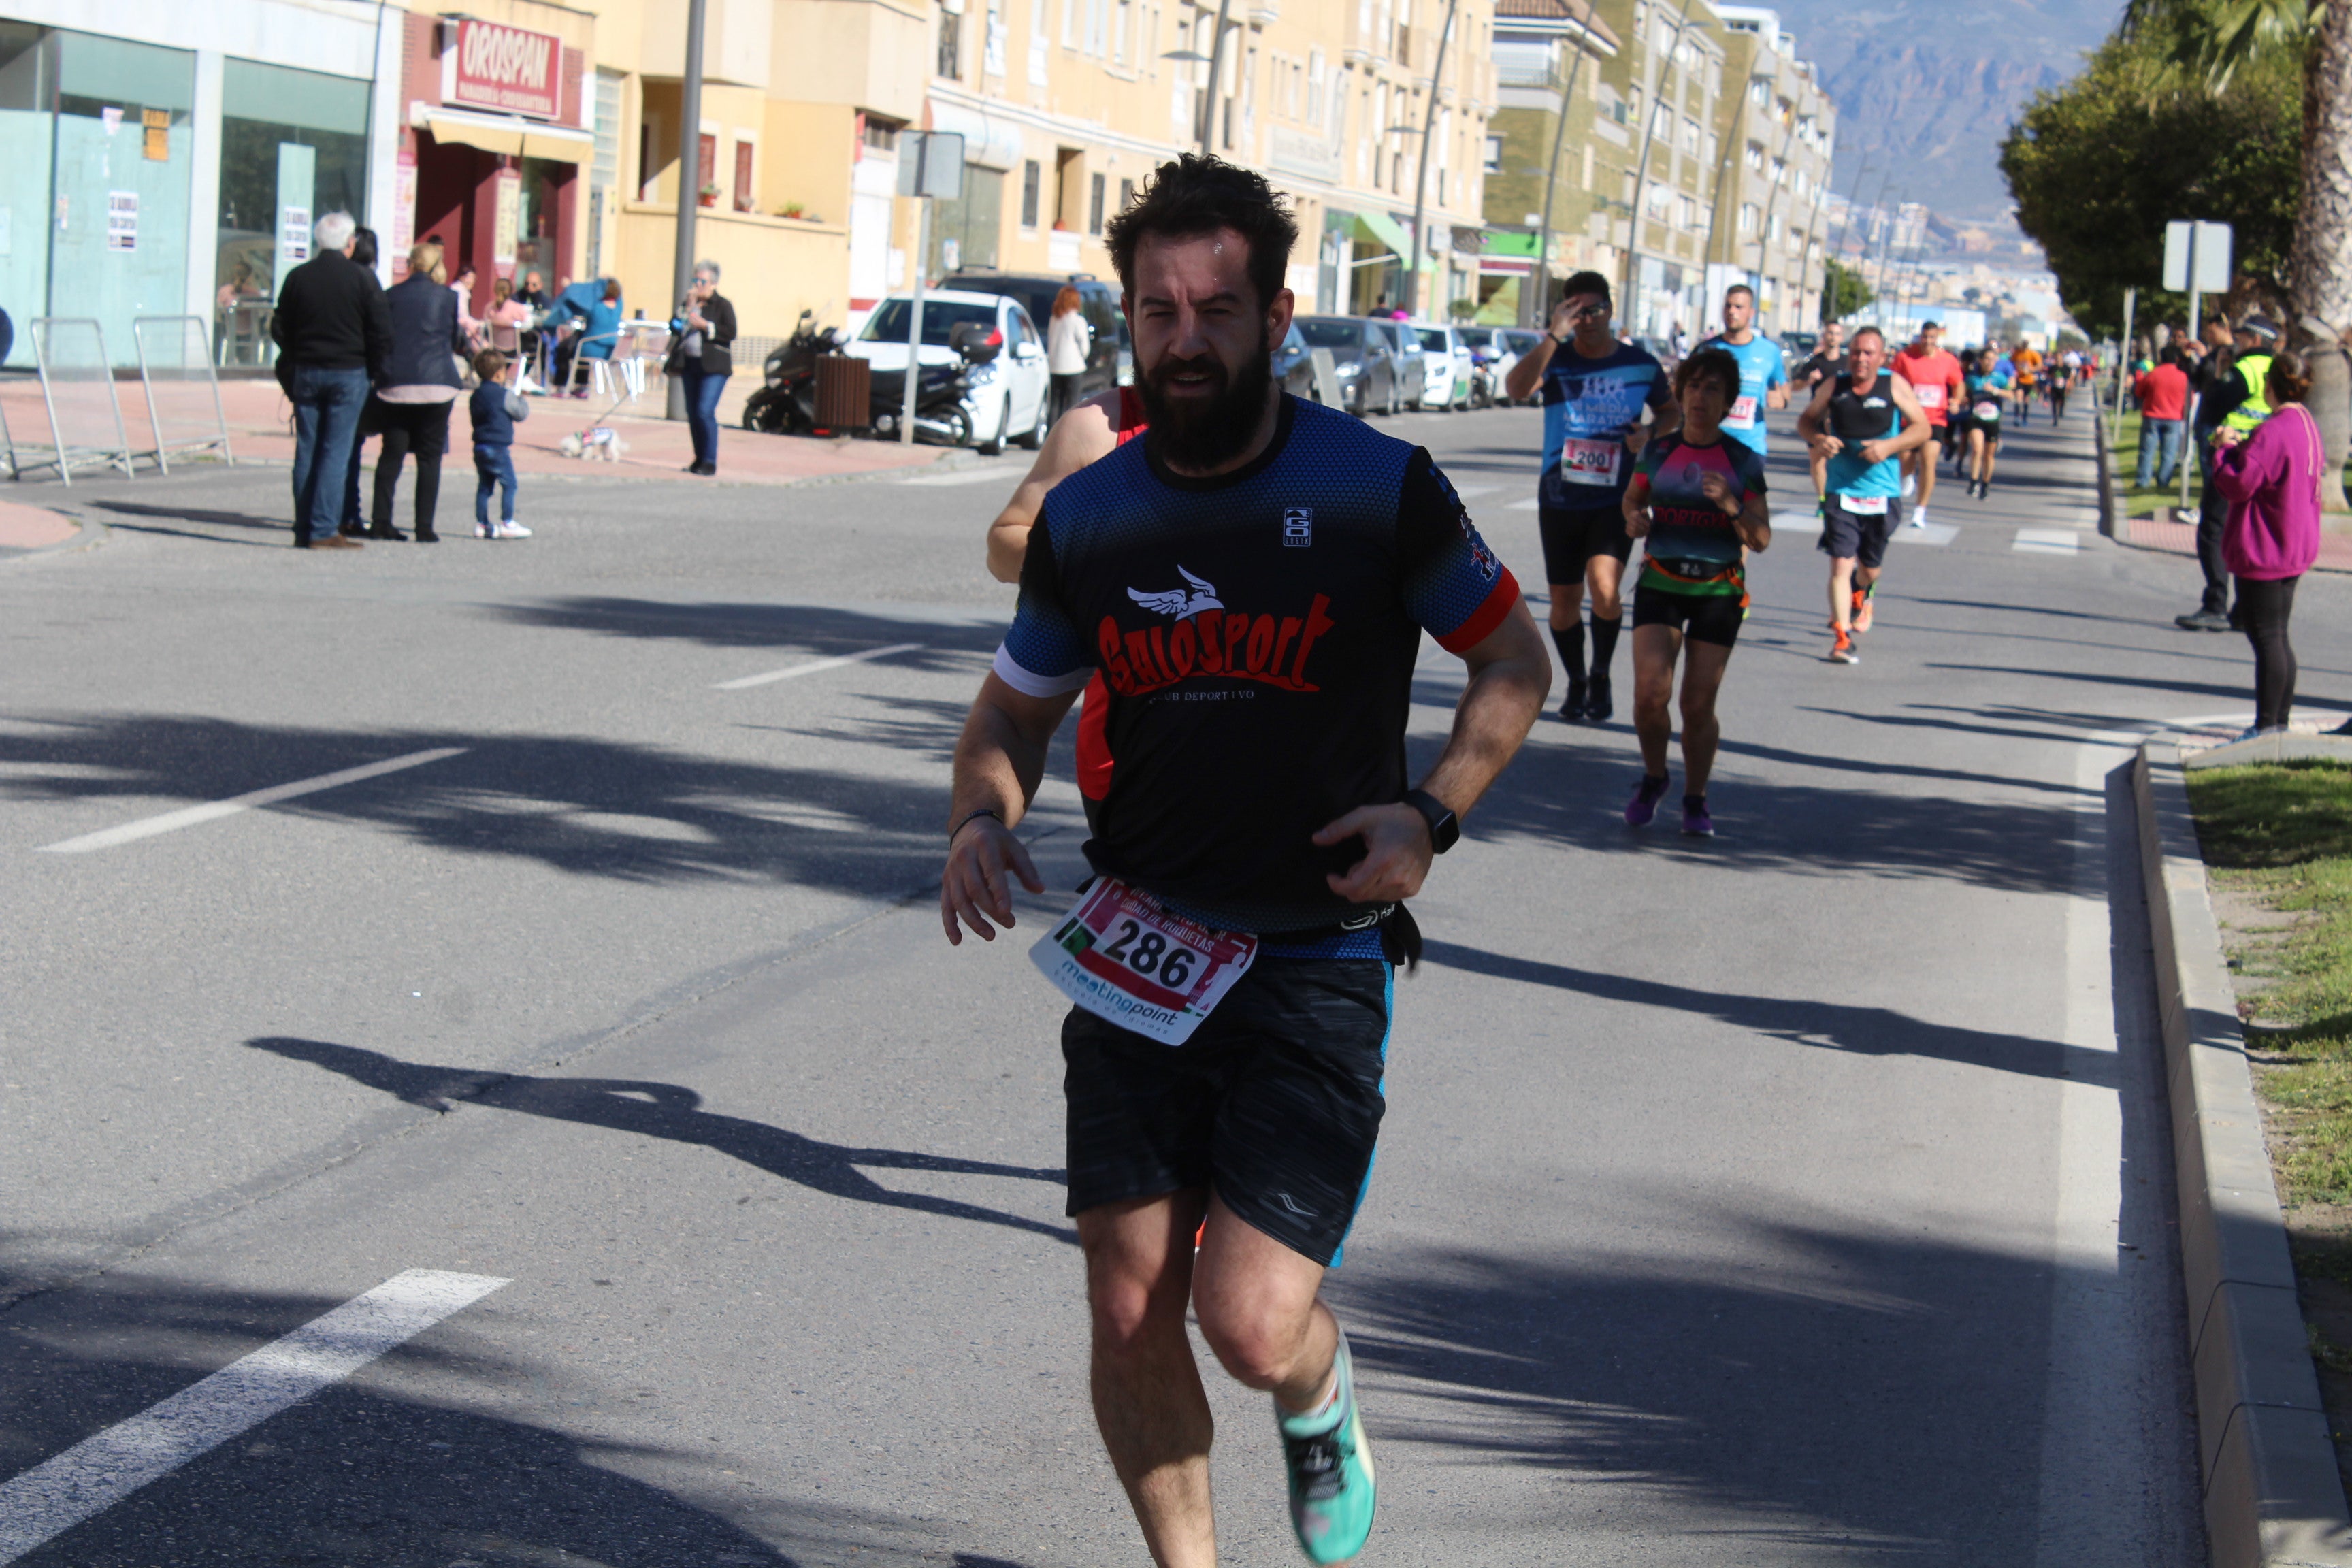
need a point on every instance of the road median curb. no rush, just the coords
(2273, 1495)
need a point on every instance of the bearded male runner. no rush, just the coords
(1252, 579)
(1936, 382)
(1861, 426)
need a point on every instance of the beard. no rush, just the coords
(1205, 433)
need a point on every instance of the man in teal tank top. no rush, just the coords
(1860, 423)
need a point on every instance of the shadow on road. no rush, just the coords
(1861, 1031)
(361, 1477)
(818, 630)
(674, 1113)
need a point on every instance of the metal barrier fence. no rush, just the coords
(77, 388)
(183, 405)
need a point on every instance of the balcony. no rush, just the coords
(1545, 75)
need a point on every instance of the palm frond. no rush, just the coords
(2209, 40)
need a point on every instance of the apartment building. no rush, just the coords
(1066, 105)
(1541, 146)
(1779, 131)
(1655, 190)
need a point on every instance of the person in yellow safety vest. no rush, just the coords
(2232, 398)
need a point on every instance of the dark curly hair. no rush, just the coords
(1715, 364)
(1197, 195)
(2290, 376)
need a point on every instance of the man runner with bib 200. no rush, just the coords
(1252, 579)
(1763, 369)
(1594, 389)
(1860, 425)
(1935, 382)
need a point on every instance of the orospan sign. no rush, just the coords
(509, 69)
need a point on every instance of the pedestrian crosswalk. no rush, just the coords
(2047, 541)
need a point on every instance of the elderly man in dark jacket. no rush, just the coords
(333, 337)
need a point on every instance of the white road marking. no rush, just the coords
(1469, 493)
(1530, 504)
(2047, 541)
(100, 1471)
(968, 476)
(1929, 533)
(188, 816)
(814, 665)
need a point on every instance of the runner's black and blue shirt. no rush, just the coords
(1589, 407)
(1258, 633)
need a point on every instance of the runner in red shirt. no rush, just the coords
(1935, 378)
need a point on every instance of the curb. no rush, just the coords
(2105, 459)
(90, 531)
(2273, 1497)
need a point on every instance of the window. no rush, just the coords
(951, 61)
(744, 153)
(1748, 218)
(1029, 194)
(706, 168)
(1095, 185)
(880, 135)
(1493, 164)
(1126, 194)
(1756, 156)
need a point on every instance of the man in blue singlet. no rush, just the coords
(1763, 371)
(1594, 389)
(1252, 581)
(1860, 423)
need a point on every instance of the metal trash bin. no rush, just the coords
(844, 395)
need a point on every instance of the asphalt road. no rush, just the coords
(1795, 1197)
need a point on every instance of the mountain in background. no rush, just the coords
(1929, 87)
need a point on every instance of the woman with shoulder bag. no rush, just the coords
(703, 358)
(420, 387)
(2271, 477)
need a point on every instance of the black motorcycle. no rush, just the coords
(941, 413)
(786, 403)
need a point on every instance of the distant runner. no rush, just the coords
(1822, 365)
(1763, 371)
(2028, 372)
(1252, 579)
(1594, 390)
(1697, 503)
(1861, 424)
(1935, 379)
(1988, 397)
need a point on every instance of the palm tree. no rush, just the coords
(2214, 37)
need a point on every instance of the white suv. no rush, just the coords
(1008, 400)
(1447, 359)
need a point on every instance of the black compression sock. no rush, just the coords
(1569, 640)
(1694, 803)
(1604, 644)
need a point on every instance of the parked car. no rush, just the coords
(1364, 356)
(1515, 341)
(1098, 301)
(1413, 363)
(1799, 346)
(1450, 366)
(1486, 351)
(1293, 366)
(1006, 397)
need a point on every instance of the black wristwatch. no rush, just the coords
(1444, 828)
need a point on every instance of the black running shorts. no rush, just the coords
(1700, 618)
(1573, 536)
(1858, 536)
(1274, 1101)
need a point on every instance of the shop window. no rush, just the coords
(1095, 204)
(293, 146)
(968, 227)
(744, 152)
(1029, 182)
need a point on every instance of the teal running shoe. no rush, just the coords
(1331, 1492)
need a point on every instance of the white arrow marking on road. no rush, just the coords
(188, 816)
(813, 665)
(2047, 541)
(102, 1470)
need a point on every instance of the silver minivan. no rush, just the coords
(1363, 356)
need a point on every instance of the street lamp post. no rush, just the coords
(1420, 177)
(1542, 278)
(689, 187)
(1642, 165)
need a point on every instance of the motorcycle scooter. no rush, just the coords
(941, 412)
(786, 401)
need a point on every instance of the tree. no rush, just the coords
(1843, 292)
(2098, 167)
(2214, 41)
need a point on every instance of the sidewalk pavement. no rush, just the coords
(2161, 533)
(260, 429)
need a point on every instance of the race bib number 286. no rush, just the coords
(1123, 958)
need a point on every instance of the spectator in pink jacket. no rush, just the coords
(2271, 478)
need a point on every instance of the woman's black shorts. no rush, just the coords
(1700, 618)
(1573, 536)
(1274, 1101)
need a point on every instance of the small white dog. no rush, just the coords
(603, 441)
